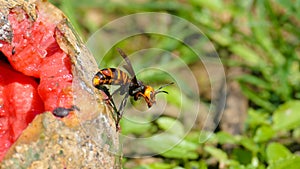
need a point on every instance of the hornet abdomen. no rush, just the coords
(110, 76)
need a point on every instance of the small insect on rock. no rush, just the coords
(129, 86)
(63, 112)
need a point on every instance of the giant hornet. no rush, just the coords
(129, 85)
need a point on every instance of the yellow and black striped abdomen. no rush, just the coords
(110, 76)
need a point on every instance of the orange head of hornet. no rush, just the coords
(149, 94)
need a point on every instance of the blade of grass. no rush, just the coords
(254, 97)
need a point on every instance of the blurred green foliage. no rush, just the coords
(264, 35)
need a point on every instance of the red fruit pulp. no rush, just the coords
(38, 79)
(19, 104)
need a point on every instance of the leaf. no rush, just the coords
(221, 38)
(263, 133)
(171, 146)
(201, 164)
(214, 5)
(256, 118)
(250, 79)
(287, 163)
(159, 165)
(156, 165)
(178, 167)
(261, 31)
(224, 138)
(276, 151)
(171, 125)
(250, 57)
(217, 153)
(134, 126)
(249, 144)
(242, 156)
(287, 116)
(254, 97)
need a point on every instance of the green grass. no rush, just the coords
(264, 35)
